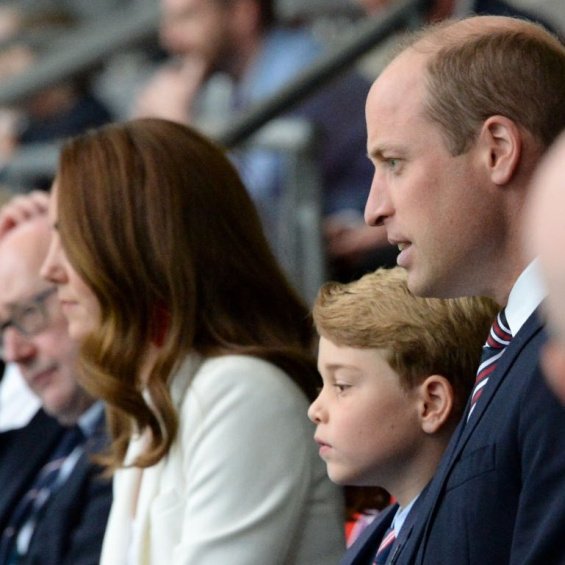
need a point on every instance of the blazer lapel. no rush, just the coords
(531, 327)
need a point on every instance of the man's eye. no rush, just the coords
(28, 316)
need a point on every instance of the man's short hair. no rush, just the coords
(516, 70)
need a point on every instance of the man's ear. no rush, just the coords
(500, 142)
(435, 403)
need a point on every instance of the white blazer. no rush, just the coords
(243, 483)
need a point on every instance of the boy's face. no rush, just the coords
(368, 428)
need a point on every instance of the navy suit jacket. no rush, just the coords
(498, 495)
(72, 523)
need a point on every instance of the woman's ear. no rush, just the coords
(435, 402)
(500, 141)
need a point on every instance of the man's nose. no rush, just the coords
(379, 206)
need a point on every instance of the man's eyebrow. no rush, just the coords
(379, 151)
(376, 153)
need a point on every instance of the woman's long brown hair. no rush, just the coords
(155, 219)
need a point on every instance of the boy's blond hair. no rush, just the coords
(422, 336)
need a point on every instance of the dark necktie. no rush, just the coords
(499, 337)
(385, 547)
(28, 507)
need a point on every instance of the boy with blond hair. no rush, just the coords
(397, 371)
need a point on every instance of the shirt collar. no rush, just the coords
(401, 515)
(526, 295)
(89, 420)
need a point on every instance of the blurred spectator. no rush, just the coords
(57, 111)
(227, 56)
(53, 503)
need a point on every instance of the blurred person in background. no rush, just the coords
(57, 111)
(53, 503)
(241, 50)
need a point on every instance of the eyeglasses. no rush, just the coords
(29, 318)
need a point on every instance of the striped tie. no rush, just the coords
(499, 337)
(385, 547)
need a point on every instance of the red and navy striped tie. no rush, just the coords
(385, 547)
(499, 337)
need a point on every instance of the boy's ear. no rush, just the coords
(436, 403)
(501, 147)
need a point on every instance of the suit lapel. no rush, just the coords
(517, 345)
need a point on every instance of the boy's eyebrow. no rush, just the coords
(334, 366)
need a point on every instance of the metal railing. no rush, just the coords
(370, 32)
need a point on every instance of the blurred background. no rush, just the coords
(297, 136)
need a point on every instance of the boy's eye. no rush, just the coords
(341, 387)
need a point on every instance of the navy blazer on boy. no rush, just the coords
(498, 496)
(71, 527)
(364, 548)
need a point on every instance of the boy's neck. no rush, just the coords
(419, 472)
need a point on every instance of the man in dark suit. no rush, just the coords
(52, 511)
(456, 126)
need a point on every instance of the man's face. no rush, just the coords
(198, 28)
(431, 203)
(47, 360)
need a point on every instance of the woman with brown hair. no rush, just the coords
(194, 338)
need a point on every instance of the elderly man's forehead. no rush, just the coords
(22, 252)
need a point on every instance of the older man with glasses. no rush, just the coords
(53, 502)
